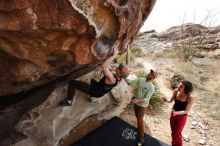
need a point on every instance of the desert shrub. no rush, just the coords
(134, 52)
(139, 65)
(141, 74)
(155, 99)
(185, 51)
(217, 56)
(167, 53)
(154, 35)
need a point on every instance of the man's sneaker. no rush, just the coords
(66, 103)
(140, 142)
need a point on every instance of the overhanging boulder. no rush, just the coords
(44, 44)
(42, 40)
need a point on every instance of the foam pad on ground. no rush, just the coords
(116, 132)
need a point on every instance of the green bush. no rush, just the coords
(185, 51)
(141, 74)
(154, 35)
(166, 53)
(155, 99)
(134, 52)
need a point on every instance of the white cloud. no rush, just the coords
(168, 13)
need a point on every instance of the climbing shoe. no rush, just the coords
(91, 99)
(94, 99)
(66, 103)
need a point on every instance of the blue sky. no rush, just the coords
(168, 13)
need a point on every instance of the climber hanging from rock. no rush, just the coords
(97, 89)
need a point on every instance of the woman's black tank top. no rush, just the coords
(180, 105)
(100, 88)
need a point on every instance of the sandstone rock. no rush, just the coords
(45, 44)
(210, 143)
(48, 123)
(202, 61)
(41, 39)
(202, 132)
(202, 141)
(186, 138)
(216, 54)
(201, 125)
(194, 123)
(201, 39)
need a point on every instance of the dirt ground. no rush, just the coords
(204, 110)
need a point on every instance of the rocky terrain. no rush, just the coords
(203, 70)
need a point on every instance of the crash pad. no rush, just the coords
(116, 132)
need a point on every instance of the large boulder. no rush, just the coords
(48, 123)
(44, 39)
(46, 43)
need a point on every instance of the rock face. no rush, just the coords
(44, 39)
(48, 123)
(44, 44)
(204, 39)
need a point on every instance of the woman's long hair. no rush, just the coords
(188, 87)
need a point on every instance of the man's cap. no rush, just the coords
(124, 70)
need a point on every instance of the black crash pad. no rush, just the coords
(116, 132)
